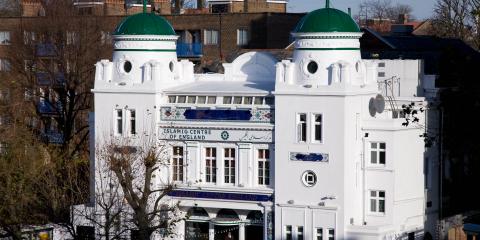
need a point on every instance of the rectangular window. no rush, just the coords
(319, 234)
(227, 100)
(211, 99)
(201, 99)
(237, 100)
(299, 233)
(4, 65)
(177, 163)
(258, 100)
(171, 99)
(211, 37)
(4, 38)
(301, 127)
(229, 161)
(317, 128)
(381, 64)
(181, 99)
(377, 201)
(191, 99)
(288, 232)
(377, 153)
(242, 37)
(248, 100)
(331, 234)
(211, 165)
(119, 121)
(263, 167)
(133, 122)
(381, 74)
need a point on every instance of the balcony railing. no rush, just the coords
(189, 49)
(52, 137)
(45, 107)
(45, 50)
(45, 79)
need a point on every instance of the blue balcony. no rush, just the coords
(189, 49)
(45, 79)
(52, 137)
(45, 50)
(45, 107)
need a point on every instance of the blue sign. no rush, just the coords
(223, 115)
(309, 157)
(220, 195)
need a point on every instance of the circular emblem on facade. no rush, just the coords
(224, 135)
(309, 178)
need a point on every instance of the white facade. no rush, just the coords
(296, 149)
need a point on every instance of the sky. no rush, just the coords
(422, 9)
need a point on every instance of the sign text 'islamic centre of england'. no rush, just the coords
(205, 134)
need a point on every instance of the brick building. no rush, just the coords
(205, 37)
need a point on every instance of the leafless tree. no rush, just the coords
(139, 168)
(458, 19)
(51, 59)
(382, 11)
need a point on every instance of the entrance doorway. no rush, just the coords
(254, 227)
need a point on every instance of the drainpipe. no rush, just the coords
(363, 181)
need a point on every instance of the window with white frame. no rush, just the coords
(177, 164)
(4, 65)
(211, 37)
(377, 153)
(242, 37)
(317, 128)
(319, 233)
(4, 38)
(119, 121)
(288, 232)
(211, 165)
(377, 201)
(331, 234)
(229, 165)
(301, 127)
(263, 167)
(299, 233)
(133, 122)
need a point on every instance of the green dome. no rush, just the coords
(327, 20)
(144, 24)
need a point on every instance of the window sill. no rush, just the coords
(376, 214)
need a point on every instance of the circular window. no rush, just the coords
(309, 178)
(312, 67)
(127, 66)
(171, 66)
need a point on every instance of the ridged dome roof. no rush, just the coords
(326, 20)
(144, 24)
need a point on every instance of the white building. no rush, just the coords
(298, 149)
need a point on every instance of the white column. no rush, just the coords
(245, 171)
(211, 231)
(267, 228)
(193, 162)
(241, 231)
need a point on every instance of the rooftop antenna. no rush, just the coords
(144, 6)
(327, 4)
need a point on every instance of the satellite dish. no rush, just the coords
(371, 107)
(379, 103)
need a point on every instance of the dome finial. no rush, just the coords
(327, 4)
(145, 6)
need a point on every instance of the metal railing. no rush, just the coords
(189, 49)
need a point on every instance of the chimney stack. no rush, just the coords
(403, 19)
